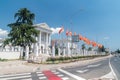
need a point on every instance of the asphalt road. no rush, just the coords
(91, 71)
(108, 69)
(115, 62)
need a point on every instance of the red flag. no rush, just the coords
(99, 45)
(94, 44)
(84, 39)
(70, 33)
(80, 37)
(67, 33)
(61, 30)
(88, 42)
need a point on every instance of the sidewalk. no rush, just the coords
(18, 66)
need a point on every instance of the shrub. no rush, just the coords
(73, 58)
(3, 59)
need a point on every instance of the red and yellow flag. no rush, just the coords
(67, 33)
(61, 30)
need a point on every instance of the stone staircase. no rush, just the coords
(41, 58)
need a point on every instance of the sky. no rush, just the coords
(98, 20)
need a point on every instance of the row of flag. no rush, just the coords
(86, 40)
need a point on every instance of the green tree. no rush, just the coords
(118, 51)
(56, 51)
(24, 16)
(22, 32)
(83, 48)
(102, 49)
(90, 49)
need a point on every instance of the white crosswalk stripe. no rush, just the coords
(42, 77)
(27, 79)
(23, 76)
(40, 74)
(60, 75)
(65, 78)
(56, 72)
(15, 74)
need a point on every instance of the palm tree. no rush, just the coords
(102, 49)
(90, 49)
(118, 51)
(83, 48)
(25, 16)
(22, 32)
(6, 42)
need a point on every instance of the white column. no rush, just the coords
(53, 51)
(12, 48)
(19, 48)
(64, 52)
(21, 52)
(59, 52)
(27, 53)
(36, 47)
(46, 47)
(83, 52)
(68, 49)
(49, 39)
(86, 52)
(43, 49)
(40, 42)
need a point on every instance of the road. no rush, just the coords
(108, 69)
(92, 71)
(115, 62)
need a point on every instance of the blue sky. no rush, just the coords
(99, 20)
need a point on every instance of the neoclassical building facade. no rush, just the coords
(42, 46)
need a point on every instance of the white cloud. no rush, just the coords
(106, 38)
(55, 30)
(3, 33)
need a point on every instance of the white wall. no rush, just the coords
(9, 55)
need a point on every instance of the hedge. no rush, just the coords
(69, 59)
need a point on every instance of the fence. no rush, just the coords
(9, 55)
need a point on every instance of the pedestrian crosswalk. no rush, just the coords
(33, 76)
(23, 76)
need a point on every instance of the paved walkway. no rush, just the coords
(18, 66)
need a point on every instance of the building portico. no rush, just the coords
(43, 40)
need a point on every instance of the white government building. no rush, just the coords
(43, 45)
